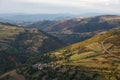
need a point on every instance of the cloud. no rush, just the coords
(85, 4)
(63, 6)
(75, 2)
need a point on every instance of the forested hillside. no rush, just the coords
(17, 45)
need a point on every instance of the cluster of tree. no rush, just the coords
(64, 72)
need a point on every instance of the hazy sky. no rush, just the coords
(59, 6)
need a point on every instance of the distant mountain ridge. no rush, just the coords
(70, 30)
(79, 25)
(35, 17)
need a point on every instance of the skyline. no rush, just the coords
(60, 6)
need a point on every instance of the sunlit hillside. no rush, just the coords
(94, 59)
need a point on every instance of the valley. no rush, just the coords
(72, 49)
(59, 39)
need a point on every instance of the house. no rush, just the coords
(40, 66)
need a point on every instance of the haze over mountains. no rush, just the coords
(35, 17)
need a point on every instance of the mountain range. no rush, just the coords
(68, 49)
(79, 28)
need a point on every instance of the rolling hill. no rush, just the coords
(77, 29)
(80, 24)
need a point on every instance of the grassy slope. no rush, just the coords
(92, 47)
(91, 54)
